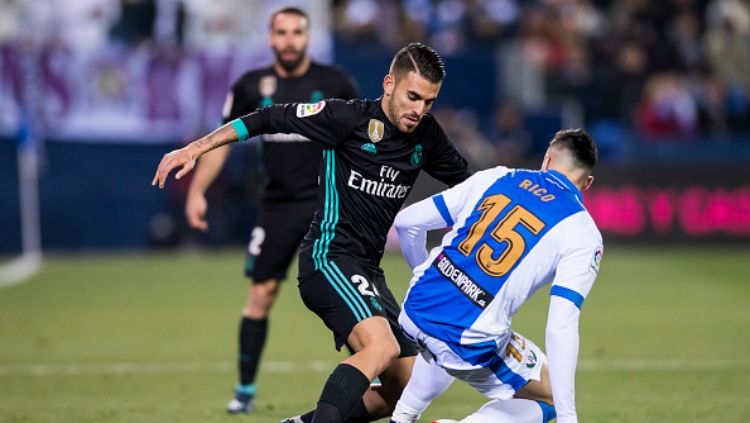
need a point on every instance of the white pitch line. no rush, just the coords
(321, 366)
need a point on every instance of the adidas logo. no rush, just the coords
(369, 147)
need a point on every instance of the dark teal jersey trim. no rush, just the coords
(327, 232)
(240, 129)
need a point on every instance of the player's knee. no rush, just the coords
(264, 293)
(270, 292)
(390, 351)
(384, 351)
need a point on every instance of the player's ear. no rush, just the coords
(389, 83)
(546, 161)
(587, 184)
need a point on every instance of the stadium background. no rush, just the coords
(131, 316)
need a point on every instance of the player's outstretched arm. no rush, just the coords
(185, 158)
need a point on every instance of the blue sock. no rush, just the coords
(548, 411)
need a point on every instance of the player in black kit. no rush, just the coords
(373, 152)
(291, 164)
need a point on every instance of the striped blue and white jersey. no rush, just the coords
(513, 231)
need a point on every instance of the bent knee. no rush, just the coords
(392, 351)
(387, 350)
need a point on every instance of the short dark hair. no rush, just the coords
(421, 59)
(289, 10)
(580, 144)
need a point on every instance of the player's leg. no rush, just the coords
(383, 402)
(271, 249)
(377, 402)
(253, 332)
(517, 379)
(512, 411)
(343, 296)
(375, 349)
(427, 382)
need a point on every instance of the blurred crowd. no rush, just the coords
(669, 70)
(89, 25)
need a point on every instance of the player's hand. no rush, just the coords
(183, 158)
(195, 211)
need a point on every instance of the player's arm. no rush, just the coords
(412, 225)
(327, 122)
(439, 211)
(573, 280)
(208, 168)
(185, 158)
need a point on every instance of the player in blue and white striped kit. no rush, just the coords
(513, 231)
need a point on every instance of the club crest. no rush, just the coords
(375, 130)
(416, 156)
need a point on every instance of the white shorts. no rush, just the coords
(515, 363)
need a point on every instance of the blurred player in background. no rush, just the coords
(291, 163)
(373, 153)
(514, 231)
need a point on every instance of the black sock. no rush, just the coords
(307, 417)
(341, 394)
(252, 339)
(360, 414)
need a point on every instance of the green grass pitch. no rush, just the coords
(151, 338)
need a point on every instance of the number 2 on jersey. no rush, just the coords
(503, 232)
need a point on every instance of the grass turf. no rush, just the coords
(152, 338)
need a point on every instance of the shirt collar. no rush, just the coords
(565, 181)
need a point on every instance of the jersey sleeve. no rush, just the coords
(327, 122)
(562, 342)
(578, 268)
(412, 225)
(439, 211)
(575, 275)
(445, 163)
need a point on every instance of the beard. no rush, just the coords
(290, 64)
(396, 119)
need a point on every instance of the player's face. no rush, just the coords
(288, 39)
(408, 98)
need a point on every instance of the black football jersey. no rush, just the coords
(291, 161)
(368, 169)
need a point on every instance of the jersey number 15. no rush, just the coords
(503, 232)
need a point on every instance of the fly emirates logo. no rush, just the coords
(385, 187)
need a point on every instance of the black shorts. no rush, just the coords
(275, 238)
(344, 292)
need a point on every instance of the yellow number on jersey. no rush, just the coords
(503, 232)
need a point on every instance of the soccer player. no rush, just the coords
(373, 151)
(513, 231)
(291, 164)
